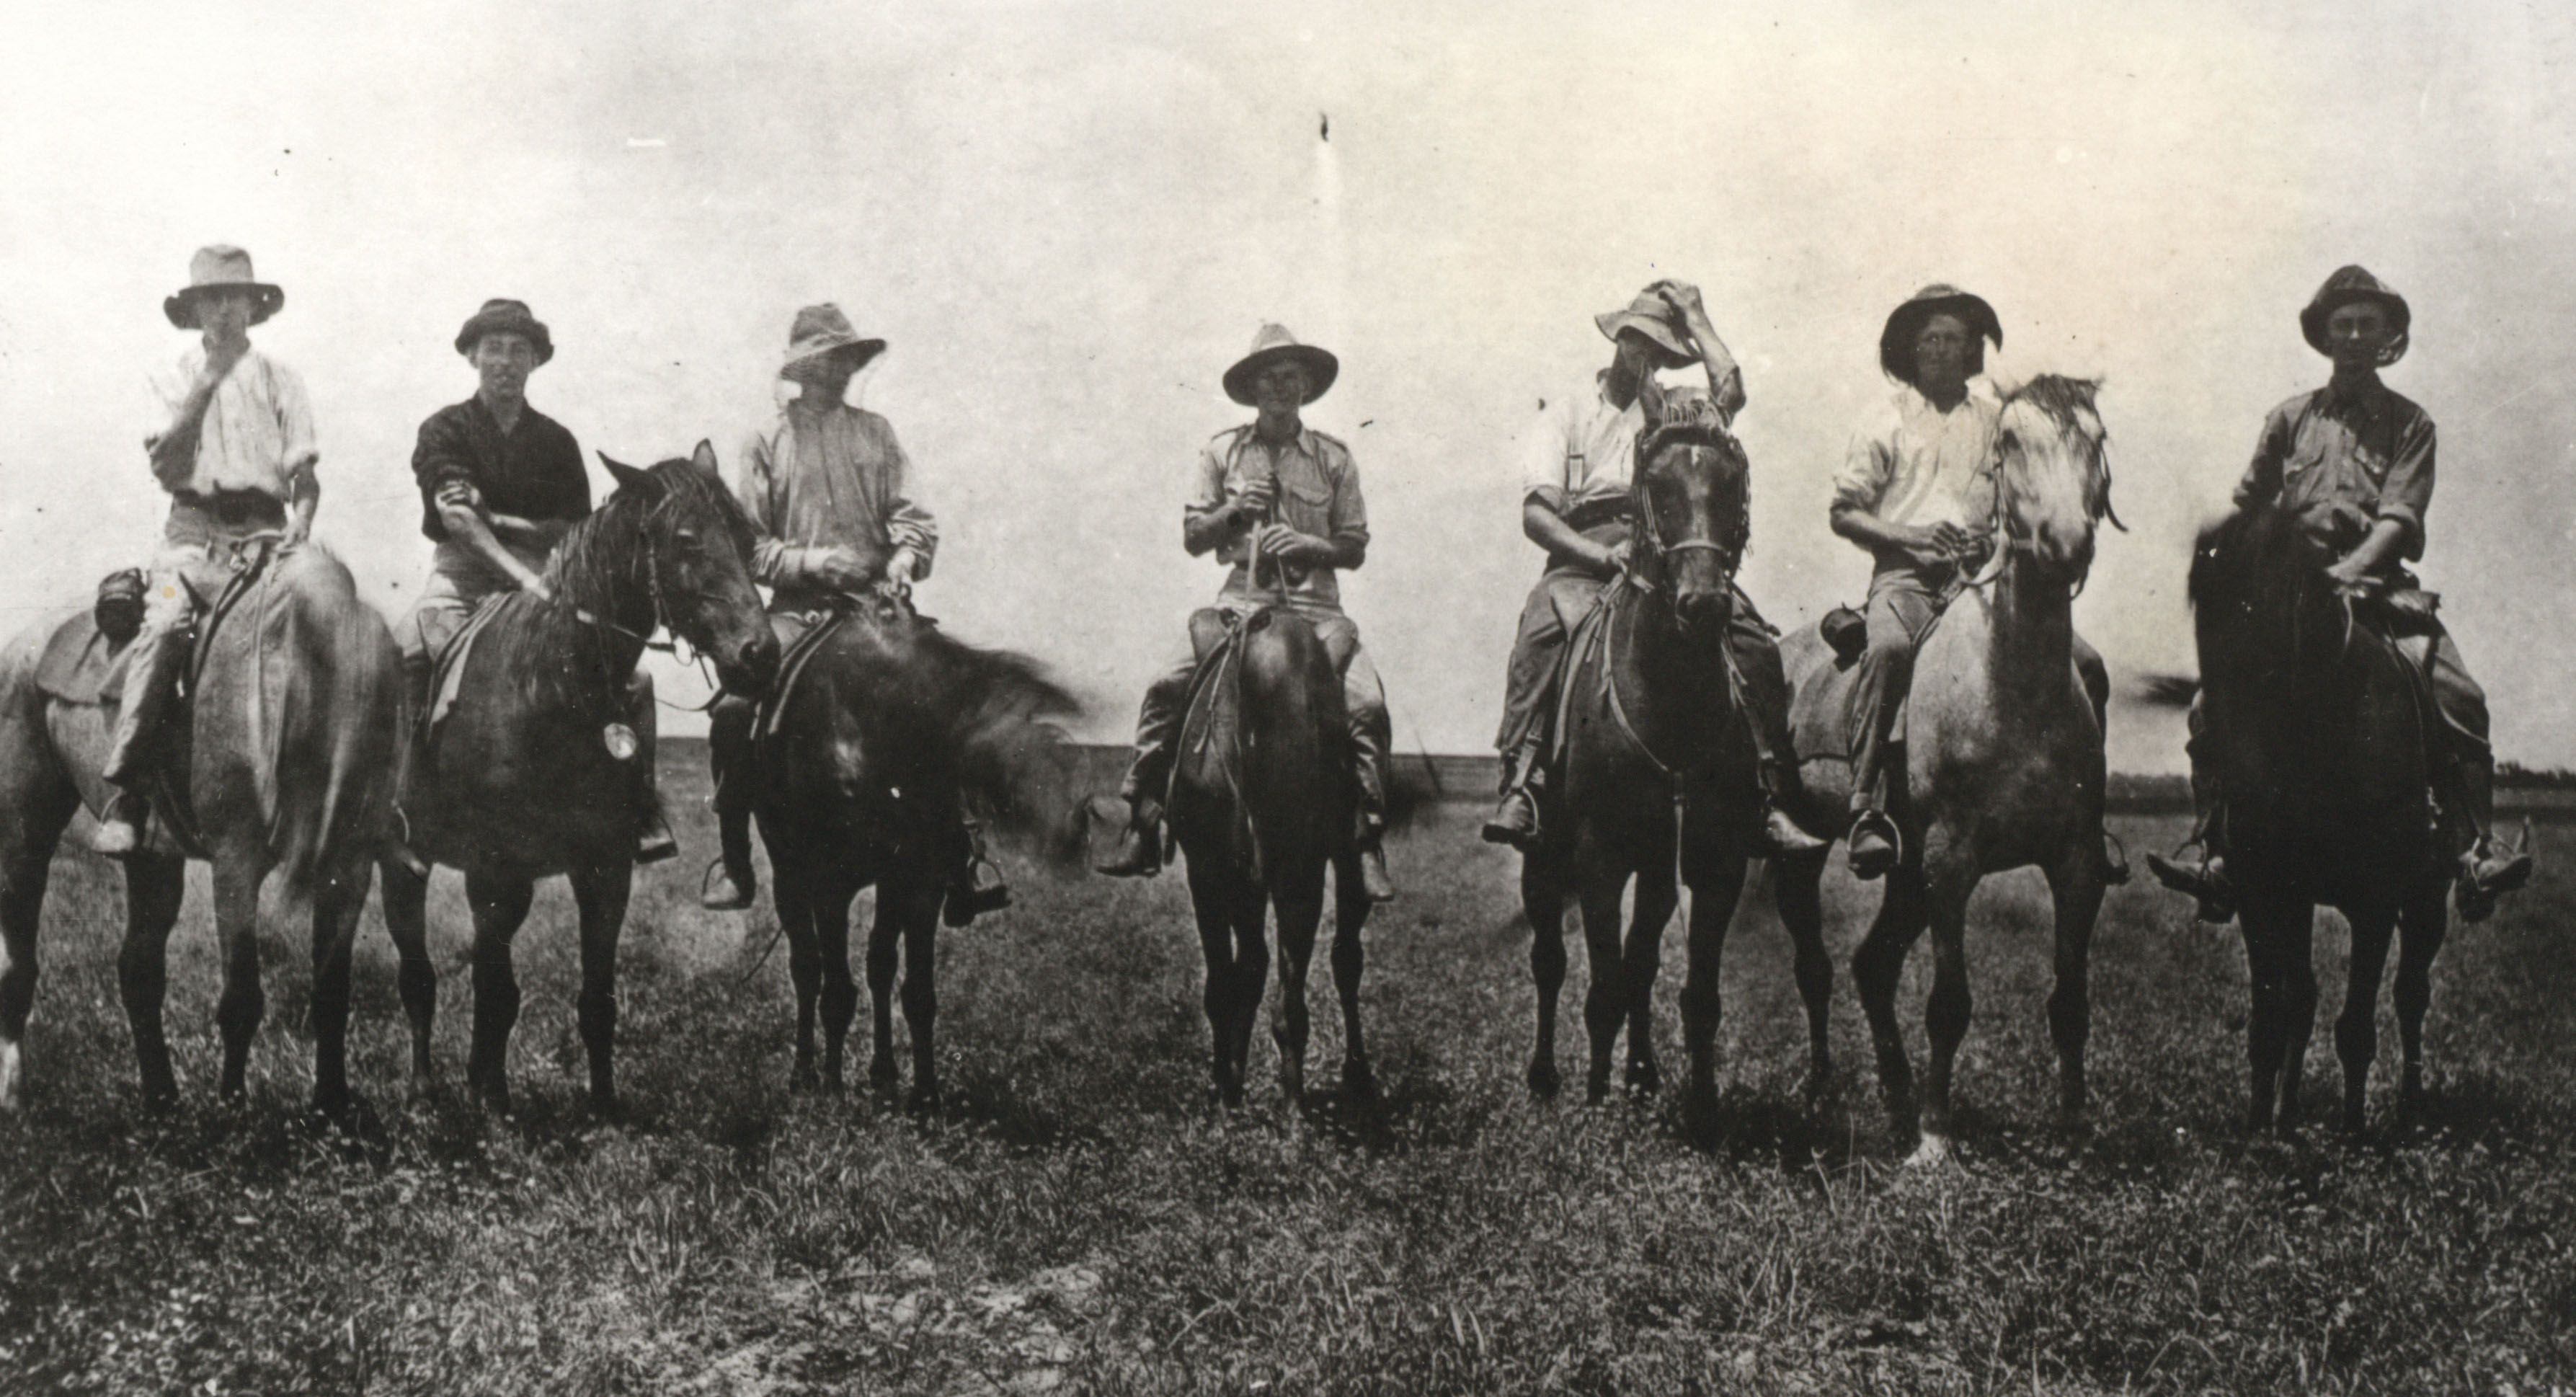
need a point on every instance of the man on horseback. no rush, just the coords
(233, 446)
(2357, 455)
(500, 483)
(1280, 493)
(1917, 489)
(1576, 485)
(826, 491)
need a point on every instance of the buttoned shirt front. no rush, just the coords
(1912, 464)
(819, 480)
(1582, 450)
(1319, 495)
(2366, 451)
(257, 433)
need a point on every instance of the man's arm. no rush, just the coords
(1545, 527)
(1868, 466)
(1725, 379)
(460, 508)
(173, 449)
(1210, 519)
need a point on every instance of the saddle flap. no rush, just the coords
(81, 664)
(447, 670)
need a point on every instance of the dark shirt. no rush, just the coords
(533, 472)
(2363, 453)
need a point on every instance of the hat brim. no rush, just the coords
(534, 331)
(266, 300)
(858, 352)
(1905, 324)
(1320, 366)
(2312, 321)
(1674, 354)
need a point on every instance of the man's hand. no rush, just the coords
(535, 586)
(1944, 542)
(1614, 559)
(841, 569)
(897, 582)
(220, 359)
(1684, 298)
(1254, 503)
(1286, 544)
(2351, 576)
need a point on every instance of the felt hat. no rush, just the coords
(1905, 325)
(823, 329)
(1272, 345)
(2347, 285)
(502, 316)
(221, 268)
(1651, 316)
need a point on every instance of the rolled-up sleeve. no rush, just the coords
(1206, 494)
(908, 525)
(1349, 512)
(1543, 455)
(300, 451)
(2408, 490)
(1869, 463)
(774, 562)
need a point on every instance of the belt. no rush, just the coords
(1591, 514)
(234, 506)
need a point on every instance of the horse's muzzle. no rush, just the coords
(1699, 608)
(752, 665)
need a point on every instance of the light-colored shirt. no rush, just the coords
(2369, 452)
(1581, 449)
(1319, 494)
(1911, 463)
(814, 481)
(257, 433)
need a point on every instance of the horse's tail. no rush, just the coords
(336, 726)
(1003, 722)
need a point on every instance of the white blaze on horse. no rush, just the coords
(2003, 764)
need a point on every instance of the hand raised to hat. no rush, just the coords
(1683, 297)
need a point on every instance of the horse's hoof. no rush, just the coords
(1543, 1080)
(1292, 1085)
(923, 1099)
(1596, 1089)
(1932, 1152)
(1700, 1118)
(1358, 1082)
(1644, 1079)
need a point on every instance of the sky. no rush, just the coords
(1068, 220)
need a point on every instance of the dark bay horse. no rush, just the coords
(2003, 758)
(2319, 733)
(1648, 712)
(291, 747)
(883, 726)
(1263, 801)
(521, 781)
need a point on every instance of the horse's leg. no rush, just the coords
(1795, 883)
(406, 901)
(915, 904)
(1251, 978)
(885, 958)
(1605, 1002)
(1876, 967)
(2075, 885)
(791, 893)
(1300, 910)
(31, 825)
(2356, 1030)
(500, 904)
(154, 887)
(600, 892)
(1350, 914)
(1639, 962)
(336, 905)
(1950, 877)
(2298, 1005)
(1712, 910)
(835, 993)
(238, 873)
(1211, 896)
(2263, 922)
(2422, 925)
(1543, 904)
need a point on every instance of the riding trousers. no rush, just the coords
(202, 546)
(1904, 600)
(1158, 720)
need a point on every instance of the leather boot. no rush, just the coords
(655, 842)
(1140, 846)
(1783, 835)
(2204, 878)
(120, 834)
(1873, 845)
(728, 884)
(976, 885)
(1515, 820)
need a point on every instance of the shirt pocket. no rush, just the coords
(1308, 505)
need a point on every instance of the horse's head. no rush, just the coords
(1693, 513)
(2265, 610)
(2052, 478)
(697, 556)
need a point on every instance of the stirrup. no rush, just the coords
(1866, 865)
(2205, 881)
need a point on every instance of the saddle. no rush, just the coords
(791, 669)
(447, 668)
(1211, 737)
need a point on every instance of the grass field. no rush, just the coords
(1078, 1219)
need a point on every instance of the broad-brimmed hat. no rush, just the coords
(502, 316)
(221, 267)
(1651, 316)
(823, 329)
(2347, 285)
(1272, 345)
(1905, 325)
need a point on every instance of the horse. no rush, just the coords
(1264, 799)
(883, 725)
(291, 734)
(2319, 728)
(528, 774)
(2003, 760)
(1649, 710)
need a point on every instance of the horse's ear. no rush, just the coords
(628, 477)
(704, 458)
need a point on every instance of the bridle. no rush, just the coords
(1648, 531)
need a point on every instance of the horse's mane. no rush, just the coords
(2057, 395)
